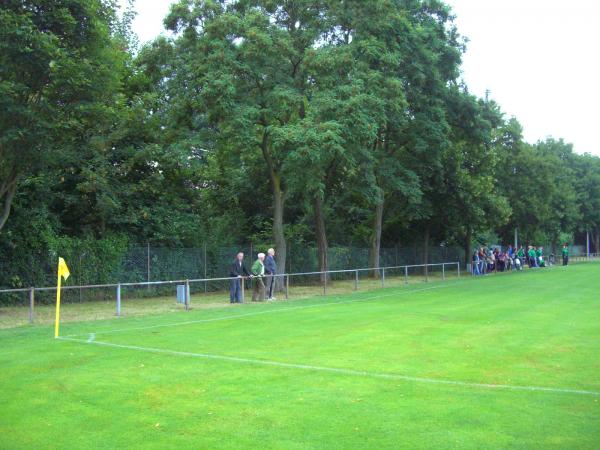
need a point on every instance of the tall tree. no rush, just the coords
(59, 70)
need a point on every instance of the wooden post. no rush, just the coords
(287, 287)
(383, 277)
(119, 300)
(187, 295)
(31, 303)
(356, 281)
(405, 274)
(443, 272)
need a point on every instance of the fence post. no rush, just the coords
(287, 287)
(458, 268)
(426, 273)
(205, 270)
(187, 295)
(148, 262)
(383, 277)
(443, 272)
(405, 274)
(356, 280)
(243, 289)
(324, 283)
(31, 303)
(119, 299)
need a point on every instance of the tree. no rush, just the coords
(473, 202)
(57, 74)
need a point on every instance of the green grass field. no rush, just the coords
(508, 361)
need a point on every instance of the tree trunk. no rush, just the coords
(426, 251)
(7, 194)
(278, 209)
(596, 240)
(322, 246)
(468, 238)
(278, 233)
(375, 254)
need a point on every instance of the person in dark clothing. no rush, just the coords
(565, 254)
(270, 272)
(237, 271)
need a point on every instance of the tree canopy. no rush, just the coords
(274, 121)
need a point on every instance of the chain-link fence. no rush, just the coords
(148, 263)
(104, 301)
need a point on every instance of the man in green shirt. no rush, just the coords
(565, 255)
(531, 257)
(258, 272)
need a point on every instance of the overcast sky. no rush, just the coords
(538, 58)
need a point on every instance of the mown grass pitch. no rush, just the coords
(493, 362)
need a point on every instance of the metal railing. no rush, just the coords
(284, 280)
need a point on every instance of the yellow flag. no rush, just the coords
(63, 270)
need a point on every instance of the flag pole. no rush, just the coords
(57, 321)
(62, 272)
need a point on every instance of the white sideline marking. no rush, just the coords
(360, 373)
(270, 311)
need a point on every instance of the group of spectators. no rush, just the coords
(262, 274)
(486, 260)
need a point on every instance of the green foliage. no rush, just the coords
(343, 123)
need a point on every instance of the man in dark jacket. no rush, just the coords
(236, 272)
(270, 272)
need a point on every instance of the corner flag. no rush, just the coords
(63, 272)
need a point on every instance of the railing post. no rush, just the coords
(405, 274)
(426, 273)
(243, 289)
(287, 287)
(324, 283)
(119, 299)
(187, 295)
(356, 280)
(458, 268)
(205, 270)
(443, 272)
(31, 303)
(383, 277)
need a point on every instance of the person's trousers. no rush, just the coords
(565, 260)
(235, 291)
(258, 290)
(270, 282)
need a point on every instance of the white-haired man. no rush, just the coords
(270, 271)
(258, 270)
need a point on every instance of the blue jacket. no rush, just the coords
(270, 265)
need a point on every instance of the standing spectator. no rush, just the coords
(565, 255)
(521, 257)
(270, 271)
(236, 272)
(475, 263)
(482, 261)
(258, 272)
(531, 257)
